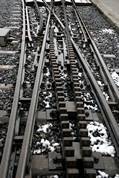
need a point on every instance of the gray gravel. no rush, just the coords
(103, 32)
(5, 11)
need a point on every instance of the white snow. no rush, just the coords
(104, 93)
(106, 96)
(110, 31)
(99, 139)
(44, 128)
(54, 176)
(100, 83)
(78, 1)
(63, 75)
(48, 73)
(55, 144)
(115, 77)
(95, 108)
(102, 174)
(56, 30)
(87, 97)
(47, 104)
(80, 74)
(47, 99)
(44, 144)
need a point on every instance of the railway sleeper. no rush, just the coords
(62, 104)
(76, 84)
(88, 162)
(60, 93)
(77, 88)
(59, 88)
(57, 79)
(54, 62)
(62, 110)
(80, 110)
(73, 66)
(65, 124)
(56, 73)
(81, 116)
(79, 104)
(78, 98)
(89, 173)
(63, 116)
(66, 132)
(60, 98)
(54, 65)
(74, 69)
(58, 84)
(56, 76)
(84, 141)
(71, 162)
(55, 68)
(86, 151)
(82, 124)
(83, 133)
(75, 80)
(69, 151)
(52, 56)
(75, 73)
(74, 76)
(67, 141)
(72, 173)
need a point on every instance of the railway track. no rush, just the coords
(49, 95)
(19, 99)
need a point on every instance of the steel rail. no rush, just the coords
(32, 111)
(28, 26)
(10, 133)
(82, 29)
(98, 55)
(40, 15)
(109, 117)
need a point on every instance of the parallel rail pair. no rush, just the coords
(108, 116)
(4, 167)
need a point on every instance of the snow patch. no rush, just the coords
(115, 77)
(54, 176)
(44, 128)
(110, 31)
(102, 174)
(89, 102)
(99, 139)
(100, 83)
(106, 96)
(44, 145)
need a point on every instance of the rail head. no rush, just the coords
(112, 124)
(33, 107)
(97, 53)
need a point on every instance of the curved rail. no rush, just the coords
(32, 111)
(28, 26)
(40, 16)
(97, 53)
(10, 133)
(109, 117)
